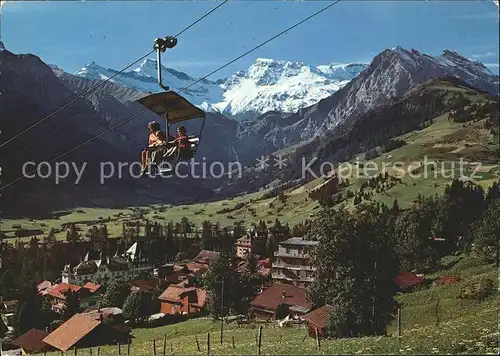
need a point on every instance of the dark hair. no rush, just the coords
(155, 126)
(161, 135)
(181, 129)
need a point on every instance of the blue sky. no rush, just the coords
(114, 33)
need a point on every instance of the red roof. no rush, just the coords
(278, 294)
(176, 292)
(32, 340)
(197, 268)
(318, 318)
(449, 279)
(144, 284)
(408, 279)
(92, 287)
(72, 331)
(264, 263)
(201, 298)
(178, 268)
(59, 289)
(206, 256)
(176, 277)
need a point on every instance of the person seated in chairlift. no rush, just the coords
(156, 137)
(182, 143)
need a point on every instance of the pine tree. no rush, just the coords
(72, 234)
(249, 281)
(395, 206)
(493, 193)
(185, 227)
(271, 245)
(485, 233)
(221, 269)
(27, 314)
(413, 244)
(115, 295)
(51, 237)
(136, 305)
(206, 235)
(238, 229)
(71, 305)
(356, 265)
(103, 232)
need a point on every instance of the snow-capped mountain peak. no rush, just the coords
(149, 68)
(342, 71)
(94, 71)
(267, 85)
(278, 85)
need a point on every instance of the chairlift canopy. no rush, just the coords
(177, 107)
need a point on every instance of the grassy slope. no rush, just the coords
(467, 327)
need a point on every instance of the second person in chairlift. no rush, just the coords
(183, 144)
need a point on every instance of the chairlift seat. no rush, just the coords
(175, 109)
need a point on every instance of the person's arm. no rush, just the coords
(174, 141)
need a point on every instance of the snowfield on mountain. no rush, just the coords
(267, 85)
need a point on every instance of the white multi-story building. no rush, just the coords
(105, 269)
(293, 264)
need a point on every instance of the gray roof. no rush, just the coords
(299, 241)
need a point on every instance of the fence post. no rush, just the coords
(197, 343)
(171, 348)
(233, 341)
(164, 344)
(154, 347)
(76, 350)
(119, 348)
(318, 342)
(260, 337)
(399, 328)
(128, 348)
(90, 351)
(399, 323)
(208, 343)
(98, 350)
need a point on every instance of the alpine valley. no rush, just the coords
(273, 107)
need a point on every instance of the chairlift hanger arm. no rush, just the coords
(160, 46)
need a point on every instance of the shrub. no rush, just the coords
(477, 289)
(239, 206)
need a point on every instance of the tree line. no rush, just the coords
(361, 252)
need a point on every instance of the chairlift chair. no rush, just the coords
(173, 108)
